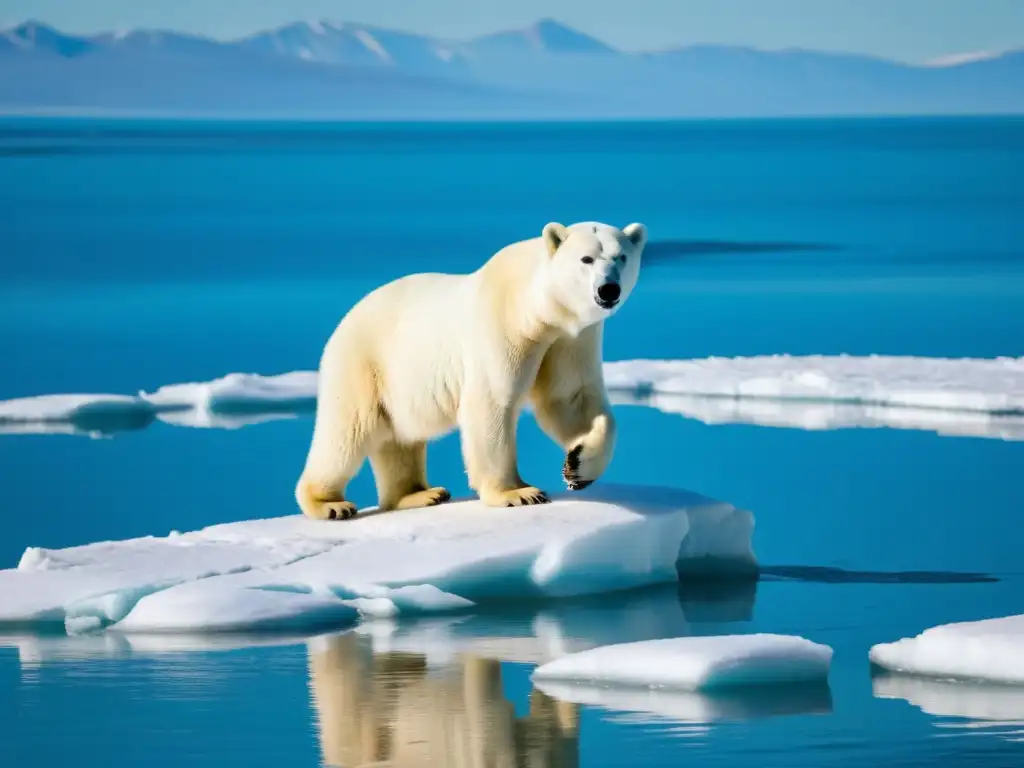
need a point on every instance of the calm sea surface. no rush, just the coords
(137, 254)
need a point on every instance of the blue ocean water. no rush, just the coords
(137, 254)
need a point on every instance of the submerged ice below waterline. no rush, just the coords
(291, 572)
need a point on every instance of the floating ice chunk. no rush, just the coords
(975, 650)
(696, 663)
(240, 393)
(415, 560)
(981, 385)
(74, 414)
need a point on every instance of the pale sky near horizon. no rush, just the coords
(907, 30)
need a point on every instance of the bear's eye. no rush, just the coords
(587, 259)
(622, 258)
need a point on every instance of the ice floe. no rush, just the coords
(991, 650)
(696, 663)
(979, 385)
(239, 394)
(74, 414)
(974, 397)
(290, 572)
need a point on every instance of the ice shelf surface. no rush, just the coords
(291, 573)
(696, 663)
(991, 650)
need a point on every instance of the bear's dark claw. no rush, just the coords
(572, 459)
(571, 468)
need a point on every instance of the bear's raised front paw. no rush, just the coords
(334, 510)
(428, 498)
(573, 470)
(518, 497)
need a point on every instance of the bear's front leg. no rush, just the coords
(488, 431)
(588, 458)
(583, 424)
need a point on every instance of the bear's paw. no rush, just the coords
(577, 469)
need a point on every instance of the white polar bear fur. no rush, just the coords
(429, 353)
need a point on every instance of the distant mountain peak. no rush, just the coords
(33, 35)
(546, 35)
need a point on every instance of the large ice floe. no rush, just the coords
(975, 397)
(990, 650)
(696, 663)
(979, 385)
(292, 573)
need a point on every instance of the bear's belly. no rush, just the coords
(422, 418)
(422, 401)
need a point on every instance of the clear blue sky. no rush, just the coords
(910, 30)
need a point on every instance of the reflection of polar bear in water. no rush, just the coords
(427, 353)
(386, 710)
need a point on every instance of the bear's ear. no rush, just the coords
(637, 234)
(554, 235)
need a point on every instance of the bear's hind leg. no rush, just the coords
(400, 472)
(348, 420)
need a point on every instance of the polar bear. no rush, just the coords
(428, 353)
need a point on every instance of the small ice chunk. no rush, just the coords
(385, 602)
(697, 663)
(80, 625)
(992, 650)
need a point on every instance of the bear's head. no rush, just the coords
(594, 266)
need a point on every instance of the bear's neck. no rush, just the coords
(547, 322)
(521, 286)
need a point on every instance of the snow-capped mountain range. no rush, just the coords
(547, 70)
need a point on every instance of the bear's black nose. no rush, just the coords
(609, 293)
